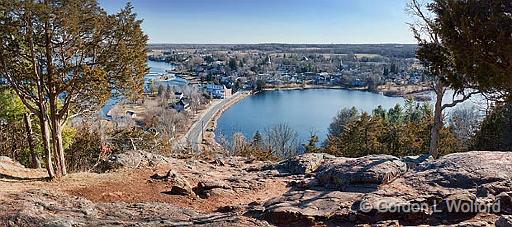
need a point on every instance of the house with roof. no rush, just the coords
(181, 105)
(218, 91)
(178, 95)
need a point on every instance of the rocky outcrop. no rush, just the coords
(381, 189)
(134, 159)
(179, 185)
(10, 169)
(467, 170)
(45, 208)
(504, 221)
(369, 171)
(307, 190)
(304, 164)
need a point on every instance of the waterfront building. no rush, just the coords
(218, 91)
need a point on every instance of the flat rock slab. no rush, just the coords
(304, 164)
(366, 171)
(46, 208)
(304, 208)
(465, 170)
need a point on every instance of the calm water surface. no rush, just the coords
(306, 111)
(155, 68)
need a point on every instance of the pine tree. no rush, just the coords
(311, 147)
(71, 66)
(257, 140)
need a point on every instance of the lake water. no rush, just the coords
(155, 69)
(309, 111)
(159, 67)
(306, 111)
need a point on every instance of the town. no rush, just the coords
(387, 68)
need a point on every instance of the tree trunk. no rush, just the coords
(34, 160)
(41, 112)
(45, 134)
(57, 137)
(60, 148)
(438, 120)
(14, 146)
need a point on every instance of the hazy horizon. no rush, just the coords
(149, 43)
(271, 21)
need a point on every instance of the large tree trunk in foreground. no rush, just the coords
(57, 138)
(438, 124)
(45, 134)
(34, 160)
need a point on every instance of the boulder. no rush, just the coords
(180, 186)
(370, 171)
(413, 161)
(457, 203)
(287, 215)
(303, 164)
(467, 170)
(309, 206)
(504, 200)
(504, 221)
(206, 189)
(6, 162)
(373, 208)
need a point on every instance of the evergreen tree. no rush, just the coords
(232, 64)
(379, 112)
(396, 115)
(479, 36)
(496, 130)
(398, 132)
(257, 140)
(311, 147)
(71, 66)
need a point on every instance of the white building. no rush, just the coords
(218, 91)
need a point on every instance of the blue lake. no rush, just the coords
(306, 111)
(309, 111)
(155, 69)
(159, 67)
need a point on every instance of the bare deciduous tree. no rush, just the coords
(282, 140)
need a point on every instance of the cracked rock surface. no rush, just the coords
(143, 189)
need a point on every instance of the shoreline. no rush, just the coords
(417, 94)
(211, 125)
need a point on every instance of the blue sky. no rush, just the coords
(271, 21)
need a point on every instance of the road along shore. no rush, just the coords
(207, 121)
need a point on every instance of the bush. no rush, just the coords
(85, 151)
(495, 133)
(241, 147)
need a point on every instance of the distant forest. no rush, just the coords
(387, 50)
